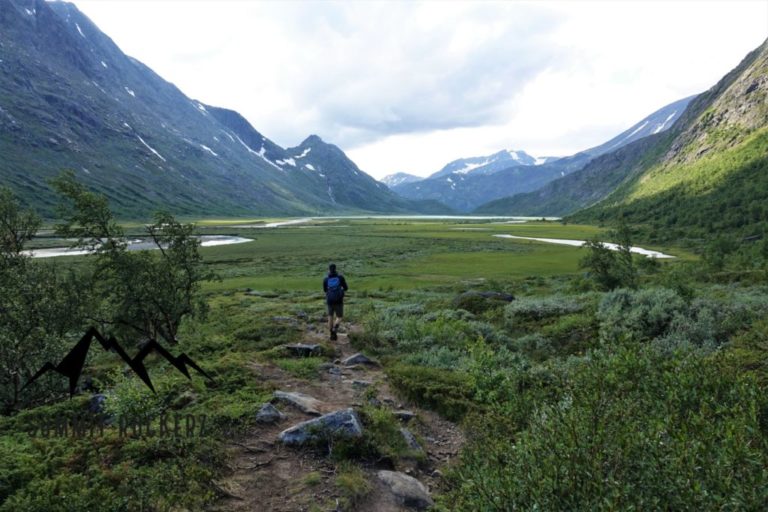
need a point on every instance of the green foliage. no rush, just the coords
(447, 392)
(611, 269)
(638, 315)
(532, 309)
(40, 306)
(722, 192)
(353, 485)
(304, 367)
(143, 293)
(634, 430)
(130, 400)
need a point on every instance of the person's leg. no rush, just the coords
(330, 318)
(339, 310)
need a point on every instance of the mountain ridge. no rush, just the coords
(71, 99)
(470, 192)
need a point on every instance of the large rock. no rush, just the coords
(342, 424)
(359, 359)
(304, 403)
(268, 414)
(409, 491)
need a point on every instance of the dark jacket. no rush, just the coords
(343, 286)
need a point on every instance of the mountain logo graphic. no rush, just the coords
(72, 364)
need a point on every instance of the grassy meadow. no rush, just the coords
(572, 397)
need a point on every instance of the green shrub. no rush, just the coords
(449, 393)
(537, 308)
(633, 430)
(638, 315)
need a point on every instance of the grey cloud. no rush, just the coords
(404, 79)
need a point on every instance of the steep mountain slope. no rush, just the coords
(69, 98)
(659, 121)
(503, 178)
(712, 156)
(713, 175)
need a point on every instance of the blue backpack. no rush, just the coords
(335, 292)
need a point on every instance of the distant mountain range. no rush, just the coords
(69, 98)
(469, 183)
(708, 172)
(393, 180)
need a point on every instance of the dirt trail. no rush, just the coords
(267, 476)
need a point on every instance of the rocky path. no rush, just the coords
(268, 475)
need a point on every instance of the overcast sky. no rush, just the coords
(409, 86)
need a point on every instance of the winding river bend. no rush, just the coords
(578, 243)
(137, 245)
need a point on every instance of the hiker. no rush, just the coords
(334, 286)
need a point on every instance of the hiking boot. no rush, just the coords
(333, 335)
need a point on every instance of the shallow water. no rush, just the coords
(579, 243)
(137, 245)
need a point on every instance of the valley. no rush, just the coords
(457, 319)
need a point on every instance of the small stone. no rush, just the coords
(361, 383)
(335, 370)
(410, 440)
(339, 424)
(304, 403)
(359, 359)
(404, 416)
(268, 414)
(409, 491)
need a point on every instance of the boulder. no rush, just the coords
(359, 359)
(304, 403)
(268, 414)
(408, 491)
(342, 424)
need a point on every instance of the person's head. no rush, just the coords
(332, 268)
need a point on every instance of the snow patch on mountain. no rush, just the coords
(206, 148)
(153, 150)
(287, 161)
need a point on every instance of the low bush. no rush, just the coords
(447, 392)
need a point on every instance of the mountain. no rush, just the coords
(708, 173)
(712, 176)
(393, 180)
(659, 121)
(470, 184)
(486, 164)
(70, 98)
